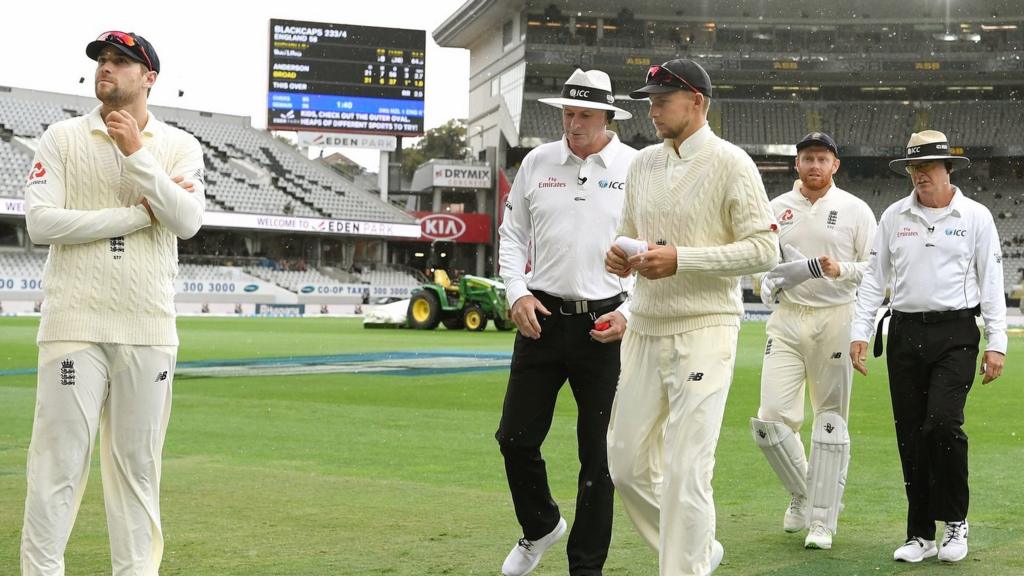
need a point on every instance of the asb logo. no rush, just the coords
(612, 185)
(955, 232)
(442, 227)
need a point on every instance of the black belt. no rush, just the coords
(574, 307)
(922, 318)
(935, 317)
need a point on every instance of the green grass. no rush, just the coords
(394, 475)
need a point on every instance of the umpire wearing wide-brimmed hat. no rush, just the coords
(561, 215)
(939, 254)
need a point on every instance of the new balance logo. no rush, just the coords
(695, 377)
(837, 355)
(161, 376)
(67, 372)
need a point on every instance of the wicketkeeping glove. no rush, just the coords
(790, 274)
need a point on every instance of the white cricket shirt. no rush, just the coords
(953, 263)
(838, 225)
(561, 215)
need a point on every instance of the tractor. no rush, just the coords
(468, 304)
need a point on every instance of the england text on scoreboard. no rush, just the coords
(346, 78)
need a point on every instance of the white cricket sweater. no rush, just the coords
(110, 274)
(717, 215)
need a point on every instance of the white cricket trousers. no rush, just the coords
(664, 428)
(124, 392)
(806, 346)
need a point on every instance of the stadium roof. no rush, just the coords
(477, 16)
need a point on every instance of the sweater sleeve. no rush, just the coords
(179, 210)
(47, 219)
(752, 226)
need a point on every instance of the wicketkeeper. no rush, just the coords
(808, 332)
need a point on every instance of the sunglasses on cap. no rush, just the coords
(126, 40)
(663, 76)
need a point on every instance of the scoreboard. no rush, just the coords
(345, 78)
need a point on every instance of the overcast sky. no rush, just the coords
(216, 52)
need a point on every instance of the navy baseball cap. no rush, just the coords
(130, 44)
(678, 74)
(818, 139)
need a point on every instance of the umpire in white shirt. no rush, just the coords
(560, 218)
(939, 253)
(808, 337)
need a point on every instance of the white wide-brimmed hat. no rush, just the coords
(590, 89)
(928, 145)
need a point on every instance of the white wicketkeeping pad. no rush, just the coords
(826, 478)
(784, 452)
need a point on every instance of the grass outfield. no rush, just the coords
(367, 474)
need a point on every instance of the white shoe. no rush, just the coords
(526, 554)
(819, 536)
(954, 542)
(915, 550)
(796, 515)
(717, 553)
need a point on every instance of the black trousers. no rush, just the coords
(931, 370)
(563, 352)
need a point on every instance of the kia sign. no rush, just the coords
(442, 227)
(462, 176)
(371, 141)
(460, 228)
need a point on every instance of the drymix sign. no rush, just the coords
(371, 141)
(462, 176)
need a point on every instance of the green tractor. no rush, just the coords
(469, 304)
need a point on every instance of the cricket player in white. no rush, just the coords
(110, 192)
(807, 337)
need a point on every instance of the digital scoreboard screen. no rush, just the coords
(343, 78)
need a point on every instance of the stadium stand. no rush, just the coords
(389, 277)
(247, 169)
(22, 264)
(208, 273)
(293, 280)
(860, 123)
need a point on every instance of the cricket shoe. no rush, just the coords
(795, 519)
(819, 536)
(526, 554)
(954, 542)
(915, 550)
